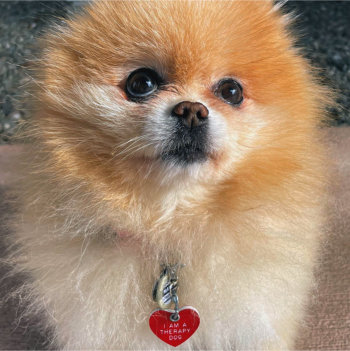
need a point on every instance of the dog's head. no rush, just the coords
(166, 92)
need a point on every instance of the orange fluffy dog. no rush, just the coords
(170, 132)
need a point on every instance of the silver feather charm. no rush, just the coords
(166, 286)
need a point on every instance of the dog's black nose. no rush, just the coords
(191, 114)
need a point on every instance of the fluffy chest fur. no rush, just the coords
(97, 289)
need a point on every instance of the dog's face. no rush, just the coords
(170, 91)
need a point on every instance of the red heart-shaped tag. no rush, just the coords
(174, 333)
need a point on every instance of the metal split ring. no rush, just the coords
(175, 316)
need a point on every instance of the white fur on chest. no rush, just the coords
(99, 296)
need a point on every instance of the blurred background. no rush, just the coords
(323, 29)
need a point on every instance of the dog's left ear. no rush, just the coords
(274, 5)
(277, 4)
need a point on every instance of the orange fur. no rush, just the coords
(246, 222)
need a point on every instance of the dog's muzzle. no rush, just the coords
(189, 142)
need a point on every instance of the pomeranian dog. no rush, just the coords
(168, 133)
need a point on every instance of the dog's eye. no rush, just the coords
(141, 84)
(230, 91)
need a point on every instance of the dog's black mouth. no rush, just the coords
(187, 146)
(185, 155)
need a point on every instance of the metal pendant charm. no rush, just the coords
(165, 287)
(173, 326)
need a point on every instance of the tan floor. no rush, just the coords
(327, 326)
